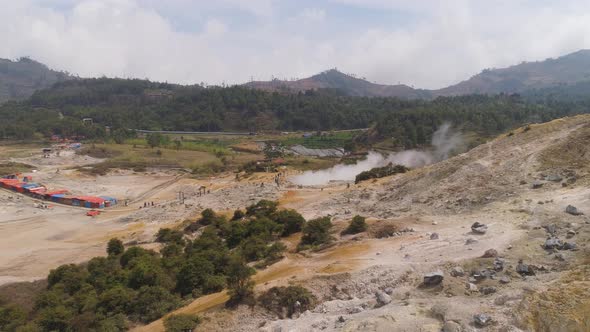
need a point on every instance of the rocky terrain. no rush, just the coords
(495, 239)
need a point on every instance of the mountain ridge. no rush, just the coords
(21, 78)
(569, 69)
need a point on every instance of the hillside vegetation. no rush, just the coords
(139, 104)
(20, 79)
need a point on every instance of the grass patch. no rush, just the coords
(9, 168)
(329, 141)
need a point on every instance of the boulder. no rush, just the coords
(487, 290)
(479, 228)
(570, 233)
(573, 210)
(550, 228)
(471, 287)
(568, 246)
(490, 253)
(498, 264)
(552, 243)
(559, 257)
(553, 178)
(433, 278)
(536, 184)
(434, 236)
(524, 269)
(505, 280)
(382, 298)
(482, 320)
(470, 241)
(457, 271)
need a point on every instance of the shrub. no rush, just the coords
(115, 247)
(181, 323)
(238, 214)
(167, 235)
(316, 232)
(282, 300)
(380, 172)
(291, 220)
(239, 282)
(207, 217)
(264, 208)
(357, 225)
(385, 230)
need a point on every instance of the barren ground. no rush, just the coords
(492, 184)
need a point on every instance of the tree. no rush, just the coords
(357, 225)
(115, 247)
(239, 281)
(291, 220)
(316, 232)
(154, 139)
(181, 323)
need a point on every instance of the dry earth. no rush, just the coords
(491, 184)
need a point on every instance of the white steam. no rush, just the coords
(444, 142)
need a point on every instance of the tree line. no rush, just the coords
(139, 104)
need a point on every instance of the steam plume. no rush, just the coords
(444, 142)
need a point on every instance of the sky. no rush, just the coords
(425, 44)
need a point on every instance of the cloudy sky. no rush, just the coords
(427, 44)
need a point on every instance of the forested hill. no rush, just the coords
(346, 84)
(140, 104)
(568, 70)
(565, 71)
(19, 79)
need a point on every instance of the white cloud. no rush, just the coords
(445, 42)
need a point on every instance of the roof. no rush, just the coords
(91, 199)
(56, 192)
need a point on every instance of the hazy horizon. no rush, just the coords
(425, 45)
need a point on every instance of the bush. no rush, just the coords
(282, 300)
(239, 282)
(291, 220)
(357, 225)
(380, 172)
(167, 235)
(207, 217)
(115, 247)
(238, 214)
(385, 230)
(181, 323)
(263, 208)
(316, 232)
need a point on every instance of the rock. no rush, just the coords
(552, 243)
(505, 280)
(479, 228)
(487, 290)
(355, 310)
(435, 223)
(389, 290)
(498, 264)
(451, 326)
(559, 257)
(471, 287)
(382, 298)
(536, 184)
(457, 271)
(470, 241)
(433, 278)
(570, 233)
(490, 253)
(341, 319)
(573, 210)
(434, 236)
(482, 320)
(524, 269)
(553, 178)
(550, 228)
(568, 246)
